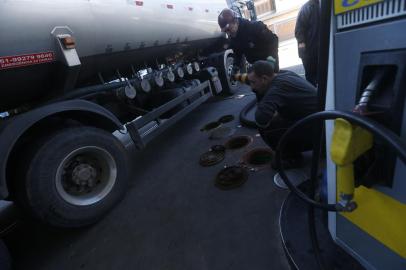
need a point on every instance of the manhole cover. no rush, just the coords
(211, 158)
(221, 133)
(226, 118)
(210, 126)
(231, 177)
(218, 148)
(296, 176)
(258, 157)
(238, 142)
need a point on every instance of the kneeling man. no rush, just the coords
(283, 98)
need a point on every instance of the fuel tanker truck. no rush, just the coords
(75, 72)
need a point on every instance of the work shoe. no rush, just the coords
(295, 176)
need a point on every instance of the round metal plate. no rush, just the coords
(238, 142)
(210, 126)
(211, 158)
(226, 118)
(158, 79)
(170, 76)
(180, 73)
(218, 148)
(258, 157)
(222, 132)
(189, 69)
(196, 66)
(145, 85)
(231, 177)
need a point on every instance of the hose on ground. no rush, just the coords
(244, 115)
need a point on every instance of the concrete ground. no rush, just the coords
(172, 217)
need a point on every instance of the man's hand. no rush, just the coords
(236, 69)
(302, 45)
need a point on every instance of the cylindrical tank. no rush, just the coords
(109, 34)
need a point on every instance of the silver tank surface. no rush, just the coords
(109, 34)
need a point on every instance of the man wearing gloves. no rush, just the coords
(250, 39)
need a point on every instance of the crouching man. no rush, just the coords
(283, 98)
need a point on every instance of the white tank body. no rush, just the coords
(109, 34)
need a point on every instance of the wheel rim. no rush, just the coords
(170, 76)
(180, 72)
(189, 69)
(86, 176)
(229, 70)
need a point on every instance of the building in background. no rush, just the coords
(279, 15)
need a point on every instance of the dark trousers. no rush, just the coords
(310, 67)
(300, 141)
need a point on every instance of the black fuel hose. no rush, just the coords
(244, 114)
(372, 126)
(322, 79)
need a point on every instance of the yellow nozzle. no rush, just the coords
(348, 143)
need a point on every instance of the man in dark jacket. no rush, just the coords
(252, 39)
(283, 99)
(307, 35)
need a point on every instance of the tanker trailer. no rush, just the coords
(72, 72)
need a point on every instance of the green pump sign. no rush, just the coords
(341, 6)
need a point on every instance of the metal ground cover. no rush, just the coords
(231, 177)
(226, 118)
(211, 126)
(218, 148)
(211, 158)
(258, 157)
(221, 133)
(238, 142)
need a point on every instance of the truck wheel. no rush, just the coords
(74, 177)
(229, 86)
(223, 62)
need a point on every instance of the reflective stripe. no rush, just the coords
(382, 217)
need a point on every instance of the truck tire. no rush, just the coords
(229, 86)
(73, 177)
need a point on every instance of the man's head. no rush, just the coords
(228, 22)
(260, 75)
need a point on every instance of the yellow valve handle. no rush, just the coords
(348, 143)
(345, 180)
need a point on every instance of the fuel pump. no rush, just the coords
(364, 93)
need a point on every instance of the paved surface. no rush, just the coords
(172, 216)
